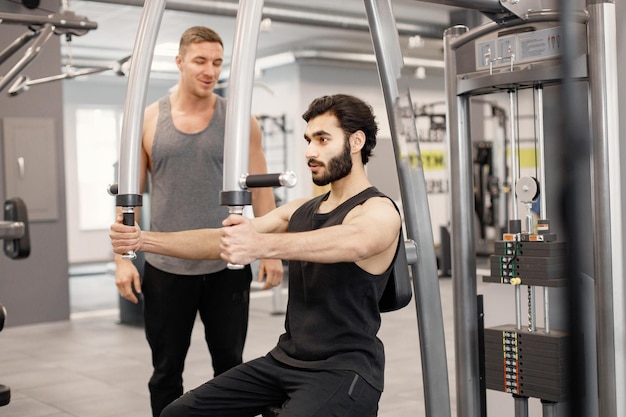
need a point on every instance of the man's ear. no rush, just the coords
(357, 141)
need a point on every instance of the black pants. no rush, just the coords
(247, 389)
(171, 303)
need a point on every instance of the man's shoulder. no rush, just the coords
(153, 108)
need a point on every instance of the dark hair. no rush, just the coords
(353, 114)
(197, 34)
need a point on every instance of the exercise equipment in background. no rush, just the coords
(14, 232)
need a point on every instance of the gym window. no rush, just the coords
(97, 150)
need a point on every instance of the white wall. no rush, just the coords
(106, 91)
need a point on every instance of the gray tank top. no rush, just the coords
(185, 184)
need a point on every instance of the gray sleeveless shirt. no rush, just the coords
(185, 184)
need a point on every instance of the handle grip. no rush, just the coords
(128, 219)
(284, 179)
(235, 210)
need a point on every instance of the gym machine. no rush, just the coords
(235, 192)
(420, 248)
(530, 46)
(41, 28)
(14, 232)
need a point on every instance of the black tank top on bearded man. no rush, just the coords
(332, 315)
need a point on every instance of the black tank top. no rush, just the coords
(332, 314)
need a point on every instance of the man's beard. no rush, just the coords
(338, 167)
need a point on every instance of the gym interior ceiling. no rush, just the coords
(331, 30)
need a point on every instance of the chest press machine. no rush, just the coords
(235, 194)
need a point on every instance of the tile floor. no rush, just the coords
(92, 366)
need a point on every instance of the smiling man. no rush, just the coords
(341, 247)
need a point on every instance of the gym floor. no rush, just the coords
(93, 366)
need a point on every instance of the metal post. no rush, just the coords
(31, 53)
(513, 162)
(543, 209)
(129, 194)
(521, 406)
(549, 408)
(462, 238)
(417, 215)
(543, 205)
(518, 307)
(607, 212)
(238, 109)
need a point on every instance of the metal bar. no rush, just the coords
(549, 409)
(299, 16)
(574, 145)
(546, 309)
(238, 109)
(130, 152)
(17, 44)
(489, 6)
(513, 162)
(282, 179)
(543, 207)
(462, 237)
(239, 105)
(29, 56)
(129, 193)
(417, 215)
(607, 215)
(518, 307)
(543, 200)
(521, 406)
(11, 230)
(58, 20)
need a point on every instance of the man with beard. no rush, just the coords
(329, 361)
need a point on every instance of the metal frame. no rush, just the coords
(609, 269)
(610, 289)
(42, 28)
(416, 213)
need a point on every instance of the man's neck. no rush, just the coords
(188, 102)
(347, 187)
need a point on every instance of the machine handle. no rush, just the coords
(235, 210)
(128, 219)
(284, 179)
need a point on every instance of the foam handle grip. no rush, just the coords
(129, 219)
(263, 180)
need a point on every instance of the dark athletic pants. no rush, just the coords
(247, 389)
(171, 303)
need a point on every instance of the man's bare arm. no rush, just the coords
(368, 237)
(187, 244)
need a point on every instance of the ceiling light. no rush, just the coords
(416, 42)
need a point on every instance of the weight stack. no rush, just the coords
(541, 264)
(526, 364)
